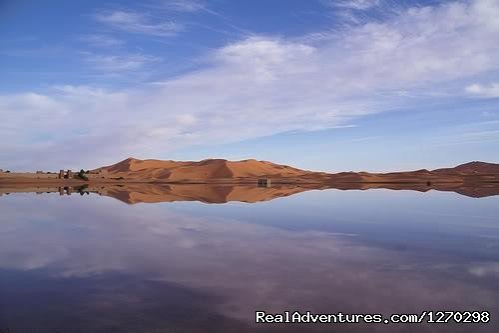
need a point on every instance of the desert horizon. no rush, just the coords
(146, 168)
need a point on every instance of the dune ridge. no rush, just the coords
(221, 169)
(133, 168)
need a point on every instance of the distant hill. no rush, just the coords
(472, 168)
(206, 169)
(213, 169)
(133, 180)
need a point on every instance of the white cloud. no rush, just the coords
(183, 5)
(263, 85)
(487, 91)
(102, 40)
(356, 4)
(485, 269)
(118, 63)
(139, 23)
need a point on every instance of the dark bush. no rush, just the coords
(81, 175)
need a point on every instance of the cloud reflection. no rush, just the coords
(147, 258)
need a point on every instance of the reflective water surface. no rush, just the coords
(96, 264)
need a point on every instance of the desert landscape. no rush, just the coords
(219, 181)
(199, 166)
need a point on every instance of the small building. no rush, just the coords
(264, 182)
(65, 174)
(39, 172)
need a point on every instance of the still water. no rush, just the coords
(95, 264)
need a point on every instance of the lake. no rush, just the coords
(90, 263)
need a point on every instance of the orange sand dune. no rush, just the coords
(472, 168)
(206, 169)
(220, 171)
(211, 169)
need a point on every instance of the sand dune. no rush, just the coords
(132, 168)
(472, 168)
(220, 171)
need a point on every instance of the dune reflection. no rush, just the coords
(132, 193)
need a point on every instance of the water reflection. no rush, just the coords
(70, 264)
(132, 193)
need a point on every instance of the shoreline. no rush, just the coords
(218, 191)
(453, 179)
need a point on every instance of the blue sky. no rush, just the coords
(329, 85)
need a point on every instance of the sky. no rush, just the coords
(330, 85)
